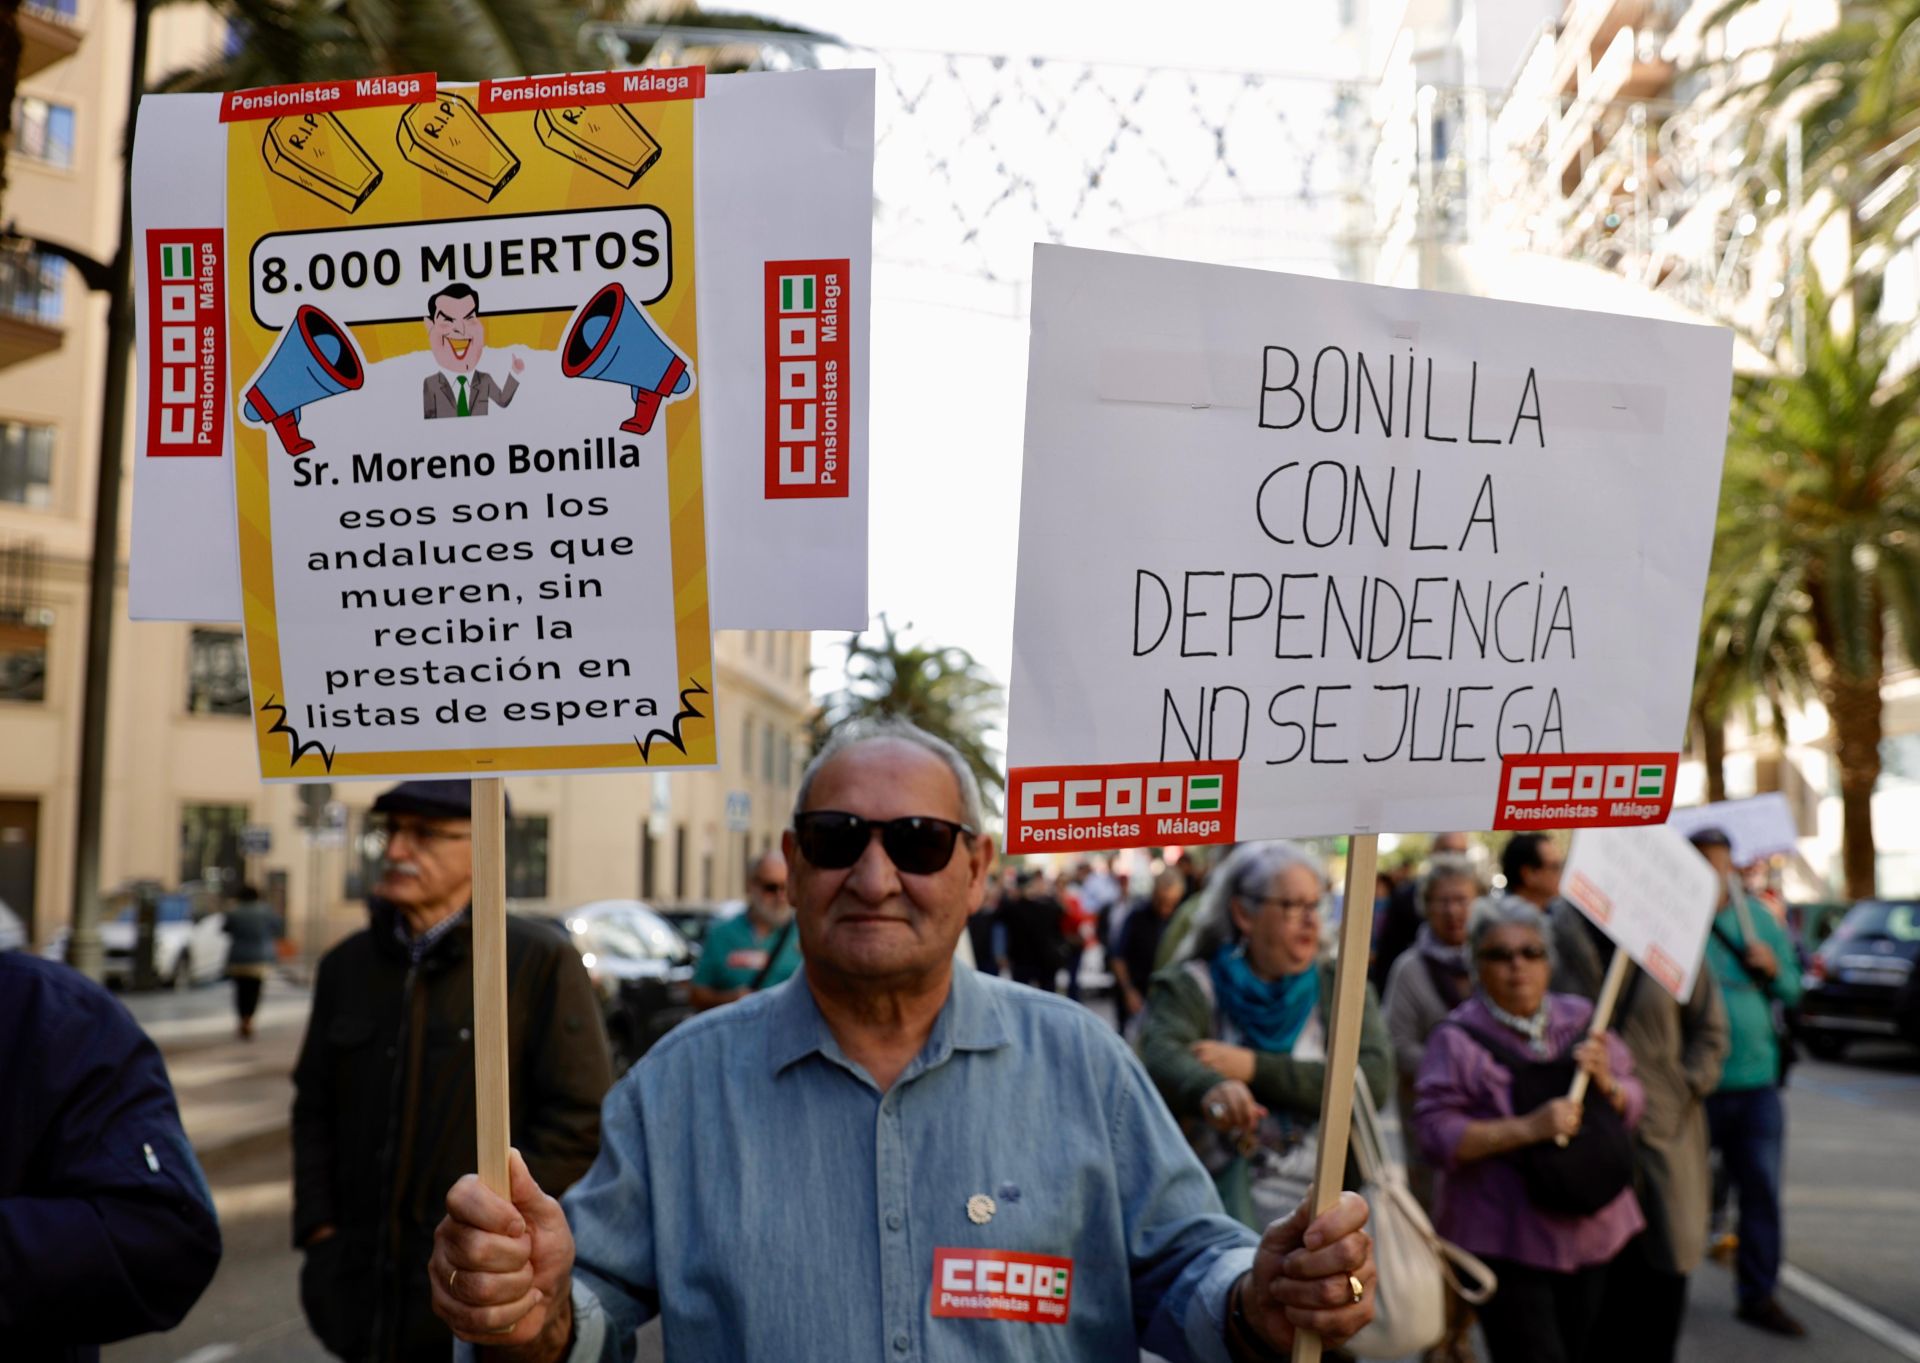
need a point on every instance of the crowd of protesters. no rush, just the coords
(1590, 1214)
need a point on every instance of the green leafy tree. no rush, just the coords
(942, 690)
(1821, 534)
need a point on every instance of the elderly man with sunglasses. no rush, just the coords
(890, 1157)
(383, 1112)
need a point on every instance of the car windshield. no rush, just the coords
(1901, 922)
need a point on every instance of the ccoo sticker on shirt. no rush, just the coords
(1001, 1284)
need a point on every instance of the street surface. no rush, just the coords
(1853, 1202)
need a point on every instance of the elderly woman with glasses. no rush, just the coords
(1490, 1109)
(1235, 1030)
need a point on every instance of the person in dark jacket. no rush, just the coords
(256, 931)
(383, 1110)
(107, 1229)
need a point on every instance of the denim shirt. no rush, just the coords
(758, 1191)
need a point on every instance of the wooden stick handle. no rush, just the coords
(1343, 1043)
(490, 982)
(1602, 1015)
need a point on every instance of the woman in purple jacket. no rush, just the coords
(1549, 1261)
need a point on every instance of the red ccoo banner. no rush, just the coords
(807, 378)
(186, 343)
(1585, 790)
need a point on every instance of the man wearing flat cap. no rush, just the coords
(383, 1109)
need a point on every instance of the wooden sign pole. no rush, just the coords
(490, 981)
(1602, 1015)
(1343, 1042)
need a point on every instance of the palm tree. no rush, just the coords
(1741, 661)
(1823, 491)
(942, 690)
(289, 41)
(1854, 90)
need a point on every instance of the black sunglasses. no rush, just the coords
(917, 844)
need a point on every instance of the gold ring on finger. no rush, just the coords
(1358, 1288)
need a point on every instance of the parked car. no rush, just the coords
(189, 947)
(643, 969)
(695, 921)
(1861, 980)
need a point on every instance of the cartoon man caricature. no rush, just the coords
(458, 338)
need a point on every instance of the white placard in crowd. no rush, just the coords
(1759, 827)
(784, 189)
(1651, 892)
(1306, 557)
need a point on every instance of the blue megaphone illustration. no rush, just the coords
(315, 360)
(612, 339)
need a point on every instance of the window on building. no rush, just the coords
(23, 658)
(217, 673)
(649, 854)
(746, 746)
(766, 754)
(706, 876)
(59, 9)
(786, 761)
(210, 844)
(31, 286)
(26, 464)
(680, 863)
(527, 857)
(43, 131)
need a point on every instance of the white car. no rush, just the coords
(186, 950)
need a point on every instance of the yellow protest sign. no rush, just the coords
(464, 363)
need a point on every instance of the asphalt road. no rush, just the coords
(1853, 1222)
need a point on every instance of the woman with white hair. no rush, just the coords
(1235, 1030)
(1490, 1110)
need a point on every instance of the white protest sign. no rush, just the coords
(1651, 893)
(784, 190)
(1759, 827)
(1367, 559)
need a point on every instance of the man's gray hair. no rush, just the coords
(1247, 873)
(1506, 911)
(899, 731)
(1446, 866)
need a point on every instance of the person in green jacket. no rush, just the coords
(1753, 961)
(1235, 1030)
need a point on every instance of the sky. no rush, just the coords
(949, 346)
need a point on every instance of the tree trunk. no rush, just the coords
(1713, 753)
(1853, 707)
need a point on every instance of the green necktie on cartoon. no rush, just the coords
(460, 407)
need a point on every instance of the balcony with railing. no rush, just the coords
(50, 31)
(32, 305)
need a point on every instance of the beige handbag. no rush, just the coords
(1416, 1267)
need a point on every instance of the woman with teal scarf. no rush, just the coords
(1234, 1033)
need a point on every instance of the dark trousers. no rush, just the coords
(1641, 1309)
(1749, 1129)
(1542, 1317)
(246, 994)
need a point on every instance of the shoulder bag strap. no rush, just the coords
(773, 957)
(1760, 982)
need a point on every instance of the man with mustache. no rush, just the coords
(383, 1109)
(890, 1156)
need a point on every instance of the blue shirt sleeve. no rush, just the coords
(1184, 1250)
(610, 1211)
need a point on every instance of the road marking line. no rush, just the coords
(1861, 1317)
